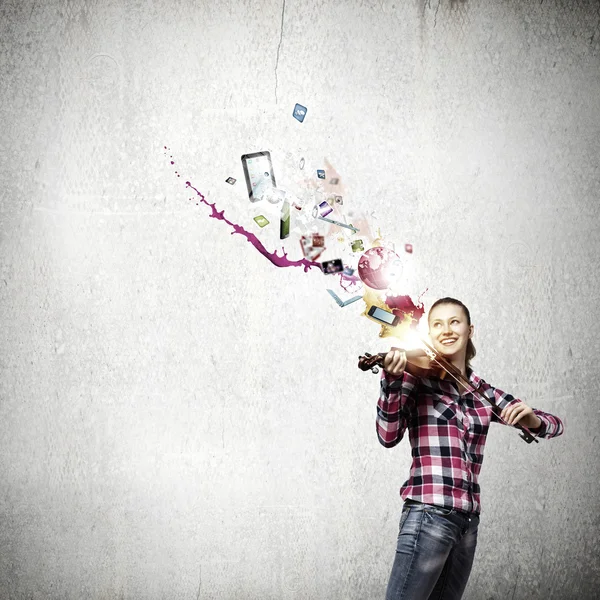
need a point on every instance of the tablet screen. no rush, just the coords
(259, 174)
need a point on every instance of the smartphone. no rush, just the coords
(284, 222)
(258, 172)
(383, 316)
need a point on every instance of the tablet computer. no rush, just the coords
(258, 172)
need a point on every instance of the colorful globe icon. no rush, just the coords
(379, 267)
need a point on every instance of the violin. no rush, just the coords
(428, 363)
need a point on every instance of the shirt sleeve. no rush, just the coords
(551, 426)
(397, 397)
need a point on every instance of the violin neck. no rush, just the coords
(447, 365)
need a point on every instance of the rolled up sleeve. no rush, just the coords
(397, 398)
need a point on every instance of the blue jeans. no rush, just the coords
(434, 553)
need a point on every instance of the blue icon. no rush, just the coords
(320, 174)
(299, 112)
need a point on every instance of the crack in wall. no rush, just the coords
(278, 47)
(516, 581)
(426, 3)
(199, 582)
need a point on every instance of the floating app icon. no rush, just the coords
(357, 246)
(334, 181)
(231, 180)
(320, 174)
(348, 271)
(322, 210)
(299, 112)
(338, 200)
(318, 241)
(332, 266)
(309, 249)
(408, 248)
(341, 303)
(297, 203)
(261, 221)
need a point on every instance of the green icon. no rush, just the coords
(357, 246)
(261, 221)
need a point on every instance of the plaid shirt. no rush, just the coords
(447, 434)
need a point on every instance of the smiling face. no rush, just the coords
(450, 332)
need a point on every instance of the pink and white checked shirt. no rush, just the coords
(447, 434)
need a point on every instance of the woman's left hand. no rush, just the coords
(519, 412)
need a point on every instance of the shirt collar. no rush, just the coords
(473, 378)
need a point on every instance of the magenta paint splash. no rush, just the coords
(403, 305)
(278, 261)
(350, 281)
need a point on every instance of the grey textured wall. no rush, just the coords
(179, 418)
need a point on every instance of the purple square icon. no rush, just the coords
(299, 112)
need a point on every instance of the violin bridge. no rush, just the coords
(432, 355)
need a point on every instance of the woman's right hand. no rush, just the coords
(394, 362)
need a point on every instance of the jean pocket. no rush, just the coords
(403, 518)
(438, 510)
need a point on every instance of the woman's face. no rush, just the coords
(449, 330)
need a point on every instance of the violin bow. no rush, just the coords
(525, 434)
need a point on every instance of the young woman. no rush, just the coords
(447, 428)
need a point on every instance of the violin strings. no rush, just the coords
(459, 378)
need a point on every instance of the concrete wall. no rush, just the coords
(179, 418)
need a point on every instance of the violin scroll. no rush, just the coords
(368, 362)
(417, 363)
